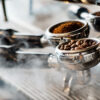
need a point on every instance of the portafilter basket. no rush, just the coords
(84, 14)
(82, 59)
(77, 33)
(79, 61)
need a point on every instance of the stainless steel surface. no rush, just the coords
(79, 60)
(31, 88)
(7, 92)
(25, 82)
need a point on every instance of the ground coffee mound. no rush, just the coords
(67, 27)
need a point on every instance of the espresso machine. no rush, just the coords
(75, 64)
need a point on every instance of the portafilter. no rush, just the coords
(72, 29)
(84, 13)
(79, 60)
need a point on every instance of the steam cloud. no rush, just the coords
(34, 70)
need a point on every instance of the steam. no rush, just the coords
(34, 74)
(41, 77)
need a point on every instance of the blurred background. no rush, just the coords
(38, 13)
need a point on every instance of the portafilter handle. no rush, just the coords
(78, 11)
(12, 51)
(31, 40)
(7, 32)
(10, 37)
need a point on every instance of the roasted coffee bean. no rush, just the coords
(62, 47)
(77, 48)
(69, 43)
(80, 46)
(84, 45)
(77, 44)
(93, 43)
(73, 45)
(66, 47)
(73, 41)
(72, 48)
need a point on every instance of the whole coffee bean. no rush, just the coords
(72, 48)
(77, 48)
(93, 43)
(66, 47)
(69, 44)
(84, 45)
(78, 42)
(73, 41)
(73, 45)
(62, 47)
(80, 46)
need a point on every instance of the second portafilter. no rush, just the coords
(83, 13)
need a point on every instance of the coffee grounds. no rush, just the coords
(67, 27)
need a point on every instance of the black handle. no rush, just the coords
(10, 36)
(7, 32)
(28, 40)
(78, 10)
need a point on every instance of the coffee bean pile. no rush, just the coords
(67, 27)
(77, 44)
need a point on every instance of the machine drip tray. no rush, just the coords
(8, 92)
